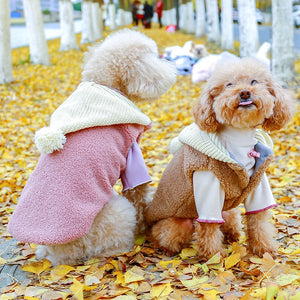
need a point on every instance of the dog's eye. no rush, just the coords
(253, 82)
(229, 84)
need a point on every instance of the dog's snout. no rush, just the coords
(245, 94)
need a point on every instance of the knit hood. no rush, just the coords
(90, 105)
(209, 143)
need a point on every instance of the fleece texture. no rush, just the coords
(201, 151)
(69, 187)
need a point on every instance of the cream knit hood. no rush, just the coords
(209, 143)
(90, 105)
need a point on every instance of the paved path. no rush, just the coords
(19, 36)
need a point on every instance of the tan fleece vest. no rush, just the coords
(174, 196)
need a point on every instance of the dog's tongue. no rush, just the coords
(246, 102)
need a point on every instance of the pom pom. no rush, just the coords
(49, 139)
(175, 145)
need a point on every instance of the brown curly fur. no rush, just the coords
(219, 105)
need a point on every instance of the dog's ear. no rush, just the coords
(283, 108)
(203, 111)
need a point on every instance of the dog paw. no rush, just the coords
(41, 252)
(260, 250)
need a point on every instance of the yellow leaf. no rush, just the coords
(132, 277)
(77, 289)
(209, 295)
(188, 252)
(34, 292)
(192, 283)
(216, 259)
(232, 260)
(169, 263)
(60, 271)
(272, 290)
(37, 267)
(161, 290)
(286, 279)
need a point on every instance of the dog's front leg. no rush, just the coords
(260, 233)
(139, 197)
(208, 238)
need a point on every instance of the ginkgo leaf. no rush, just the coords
(60, 271)
(232, 260)
(77, 289)
(37, 267)
(161, 290)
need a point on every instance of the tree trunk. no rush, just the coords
(190, 18)
(68, 37)
(97, 21)
(248, 28)
(200, 18)
(283, 42)
(6, 71)
(87, 35)
(183, 13)
(213, 30)
(38, 47)
(227, 25)
(112, 15)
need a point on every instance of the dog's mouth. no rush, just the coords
(246, 103)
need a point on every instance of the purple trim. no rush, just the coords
(210, 221)
(259, 210)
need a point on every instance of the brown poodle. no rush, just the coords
(220, 162)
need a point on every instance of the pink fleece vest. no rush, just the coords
(68, 188)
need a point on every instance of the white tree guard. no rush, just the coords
(227, 41)
(38, 47)
(213, 30)
(248, 28)
(6, 70)
(283, 40)
(200, 18)
(68, 36)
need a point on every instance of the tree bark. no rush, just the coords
(38, 47)
(200, 18)
(227, 25)
(6, 71)
(213, 31)
(68, 37)
(283, 41)
(248, 28)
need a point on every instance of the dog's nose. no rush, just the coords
(245, 94)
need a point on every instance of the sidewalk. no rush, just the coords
(19, 36)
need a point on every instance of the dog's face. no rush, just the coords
(242, 94)
(129, 62)
(198, 51)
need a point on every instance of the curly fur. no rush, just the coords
(220, 104)
(127, 61)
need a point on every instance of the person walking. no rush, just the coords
(159, 10)
(134, 9)
(148, 15)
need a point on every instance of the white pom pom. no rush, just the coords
(175, 145)
(49, 139)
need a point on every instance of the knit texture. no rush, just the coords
(209, 143)
(201, 151)
(90, 105)
(68, 188)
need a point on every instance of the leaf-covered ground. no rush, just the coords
(144, 273)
